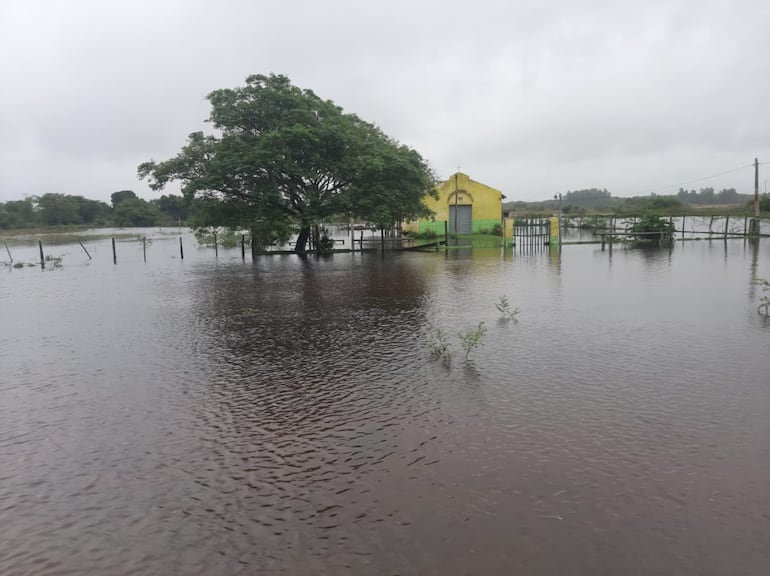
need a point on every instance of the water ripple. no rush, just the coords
(284, 416)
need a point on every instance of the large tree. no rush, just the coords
(136, 212)
(121, 195)
(54, 209)
(282, 156)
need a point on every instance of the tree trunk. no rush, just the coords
(304, 234)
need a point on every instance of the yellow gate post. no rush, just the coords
(555, 240)
(508, 232)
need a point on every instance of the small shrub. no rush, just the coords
(652, 227)
(224, 237)
(439, 346)
(504, 307)
(325, 244)
(472, 339)
(497, 230)
(428, 234)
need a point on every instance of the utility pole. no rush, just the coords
(754, 226)
(756, 187)
(456, 202)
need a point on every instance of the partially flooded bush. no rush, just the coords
(472, 338)
(439, 346)
(504, 307)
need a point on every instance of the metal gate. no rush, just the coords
(530, 234)
(464, 215)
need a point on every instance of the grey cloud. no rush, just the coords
(533, 98)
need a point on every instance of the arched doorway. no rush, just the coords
(460, 212)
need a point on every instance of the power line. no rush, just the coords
(739, 168)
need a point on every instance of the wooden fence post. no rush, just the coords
(84, 250)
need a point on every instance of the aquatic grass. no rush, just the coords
(476, 240)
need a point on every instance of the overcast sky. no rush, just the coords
(530, 97)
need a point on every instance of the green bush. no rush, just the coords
(652, 228)
(472, 338)
(224, 237)
(428, 234)
(666, 203)
(504, 307)
(325, 244)
(439, 346)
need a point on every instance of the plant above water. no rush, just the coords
(472, 339)
(652, 228)
(764, 299)
(439, 346)
(55, 261)
(325, 245)
(504, 307)
(225, 237)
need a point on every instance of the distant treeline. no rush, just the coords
(126, 209)
(599, 199)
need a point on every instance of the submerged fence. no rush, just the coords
(604, 229)
(526, 234)
(126, 247)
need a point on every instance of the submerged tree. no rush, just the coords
(284, 157)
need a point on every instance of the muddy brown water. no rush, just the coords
(284, 417)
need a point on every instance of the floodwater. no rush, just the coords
(283, 416)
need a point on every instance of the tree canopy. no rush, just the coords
(283, 157)
(121, 195)
(53, 209)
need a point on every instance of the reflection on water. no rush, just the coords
(282, 416)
